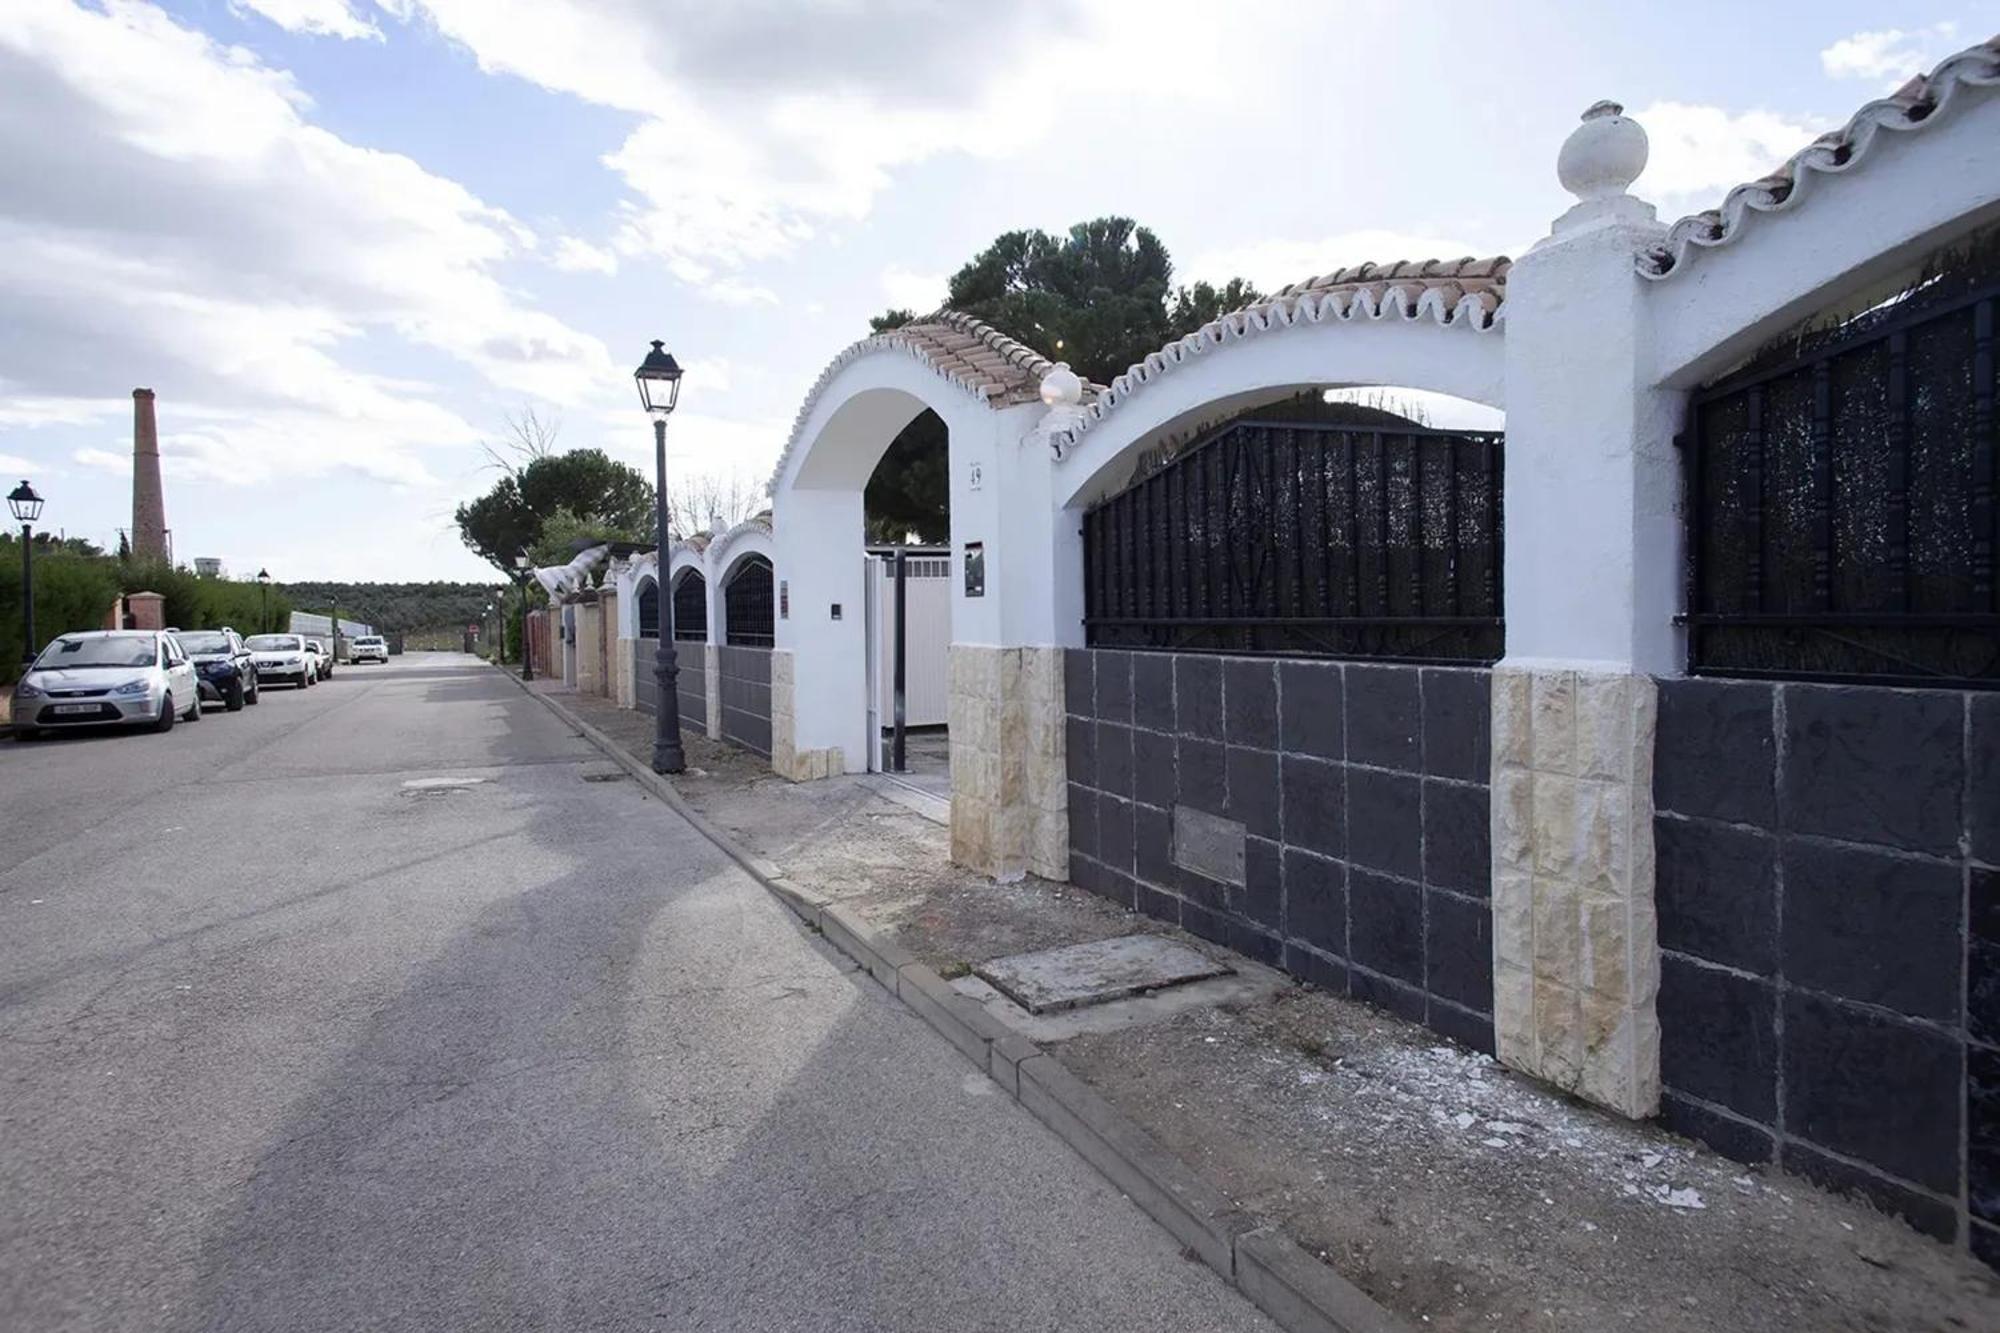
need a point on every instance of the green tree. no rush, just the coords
(596, 494)
(909, 493)
(1101, 297)
(73, 591)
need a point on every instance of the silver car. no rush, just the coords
(107, 677)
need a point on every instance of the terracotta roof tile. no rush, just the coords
(975, 357)
(1922, 102)
(1455, 293)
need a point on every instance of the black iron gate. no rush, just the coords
(1841, 502)
(1303, 537)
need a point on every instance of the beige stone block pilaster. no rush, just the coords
(711, 689)
(784, 757)
(1009, 804)
(1575, 951)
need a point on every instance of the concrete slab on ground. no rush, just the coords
(1077, 975)
(1249, 984)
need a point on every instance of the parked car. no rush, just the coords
(106, 677)
(368, 648)
(322, 658)
(223, 666)
(282, 657)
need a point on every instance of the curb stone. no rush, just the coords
(1295, 1290)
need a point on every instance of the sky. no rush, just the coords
(345, 241)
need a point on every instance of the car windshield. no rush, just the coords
(272, 643)
(104, 650)
(203, 643)
(365, 642)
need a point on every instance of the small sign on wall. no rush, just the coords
(975, 569)
(975, 477)
(784, 599)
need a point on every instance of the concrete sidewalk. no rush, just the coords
(1451, 1190)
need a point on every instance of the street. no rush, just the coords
(391, 1004)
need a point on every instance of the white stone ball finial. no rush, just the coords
(1604, 155)
(1061, 387)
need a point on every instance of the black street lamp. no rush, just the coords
(521, 566)
(27, 507)
(264, 619)
(659, 381)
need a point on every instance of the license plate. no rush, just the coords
(74, 708)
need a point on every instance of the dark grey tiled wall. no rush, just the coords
(746, 697)
(692, 681)
(1829, 916)
(1360, 793)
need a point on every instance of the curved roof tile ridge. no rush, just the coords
(1923, 101)
(1467, 293)
(971, 355)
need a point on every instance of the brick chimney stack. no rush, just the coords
(149, 509)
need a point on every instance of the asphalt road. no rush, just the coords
(297, 1037)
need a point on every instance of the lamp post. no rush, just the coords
(264, 616)
(521, 564)
(486, 622)
(659, 381)
(27, 507)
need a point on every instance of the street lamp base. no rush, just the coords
(669, 759)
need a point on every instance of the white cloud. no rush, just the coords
(241, 259)
(12, 464)
(909, 290)
(319, 18)
(735, 291)
(1890, 55)
(1275, 263)
(30, 412)
(1703, 150)
(761, 126)
(577, 256)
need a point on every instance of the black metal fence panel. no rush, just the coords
(648, 603)
(1306, 538)
(690, 609)
(1840, 505)
(749, 605)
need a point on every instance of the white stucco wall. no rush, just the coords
(1589, 361)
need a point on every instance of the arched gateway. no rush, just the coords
(1031, 448)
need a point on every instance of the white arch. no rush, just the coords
(1845, 218)
(751, 536)
(986, 367)
(985, 387)
(1254, 363)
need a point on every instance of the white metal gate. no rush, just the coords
(927, 642)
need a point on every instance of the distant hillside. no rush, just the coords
(398, 608)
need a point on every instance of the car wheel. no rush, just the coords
(236, 698)
(165, 721)
(251, 697)
(193, 713)
(27, 734)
